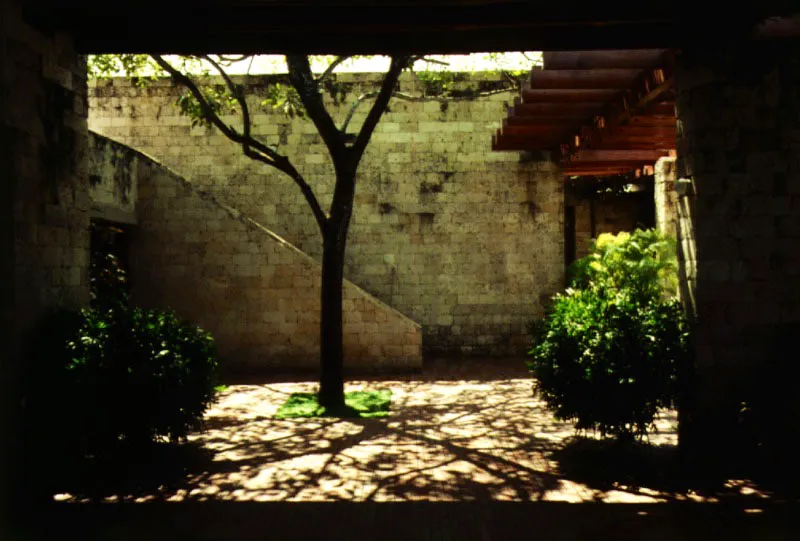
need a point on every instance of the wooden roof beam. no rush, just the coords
(554, 120)
(561, 95)
(523, 142)
(642, 98)
(575, 110)
(584, 156)
(603, 79)
(602, 59)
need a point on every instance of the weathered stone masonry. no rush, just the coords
(258, 295)
(739, 144)
(465, 241)
(43, 210)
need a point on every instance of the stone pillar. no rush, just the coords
(44, 237)
(665, 196)
(674, 218)
(738, 123)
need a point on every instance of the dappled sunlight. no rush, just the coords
(445, 440)
(453, 434)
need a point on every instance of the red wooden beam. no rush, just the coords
(575, 110)
(585, 167)
(516, 142)
(539, 95)
(603, 59)
(598, 172)
(583, 79)
(584, 156)
(628, 130)
(550, 132)
(558, 121)
(654, 120)
(661, 145)
(642, 98)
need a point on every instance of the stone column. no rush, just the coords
(665, 196)
(44, 236)
(738, 119)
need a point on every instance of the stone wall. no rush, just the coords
(113, 181)
(611, 214)
(257, 294)
(466, 241)
(43, 210)
(738, 124)
(665, 196)
(674, 218)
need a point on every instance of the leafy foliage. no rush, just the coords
(366, 404)
(139, 66)
(218, 98)
(608, 354)
(284, 98)
(114, 375)
(643, 262)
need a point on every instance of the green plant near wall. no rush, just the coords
(643, 263)
(115, 376)
(608, 354)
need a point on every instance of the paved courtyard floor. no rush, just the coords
(467, 453)
(459, 431)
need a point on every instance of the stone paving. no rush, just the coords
(468, 453)
(458, 432)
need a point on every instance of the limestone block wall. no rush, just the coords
(738, 123)
(674, 218)
(256, 293)
(665, 197)
(43, 212)
(466, 241)
(113, 186)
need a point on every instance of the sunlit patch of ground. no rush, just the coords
(446, 439)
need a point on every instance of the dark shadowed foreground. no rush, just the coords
(468, 453)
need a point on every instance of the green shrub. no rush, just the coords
(608, 353)
(643, 262)
(141, 374)
(116, 375)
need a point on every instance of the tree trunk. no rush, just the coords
(334, 241)
(331, 383)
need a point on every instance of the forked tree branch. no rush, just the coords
(329, 70)
(308, 89)
(237, 93)
(251, 147)
(411, 98)
(388, 85)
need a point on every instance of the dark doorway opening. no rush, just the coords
(569, 235)
(109, 238)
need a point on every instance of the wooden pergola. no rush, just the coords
(604, 112)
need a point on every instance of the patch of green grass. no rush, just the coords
(364, 404)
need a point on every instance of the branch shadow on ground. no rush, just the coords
(459, 443)
(471, 440)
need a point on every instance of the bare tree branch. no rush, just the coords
(208, 111)
(329, 70)
(237, 93)
(411, 98)
(227, 60)
(251, 147)
(305, 189)
(398, 64)
(303, 81)
(433, 61)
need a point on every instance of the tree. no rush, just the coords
(303, 96)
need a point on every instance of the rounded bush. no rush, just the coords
(114, 375)
(140, 375)
(608, 354)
